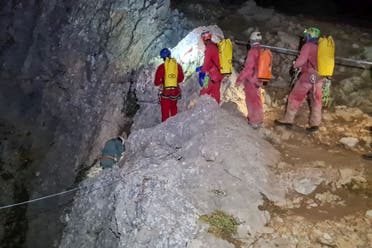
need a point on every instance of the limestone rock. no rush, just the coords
(350, 142)
(166, 182)
(207, 241)
(306, 185)
(346, 175)
(289, 40)
(326, 239)
(369, 213)
(329, 198)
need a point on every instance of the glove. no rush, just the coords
(201, 78)
(206, 81)
(198, 69)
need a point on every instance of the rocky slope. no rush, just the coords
(202, 160)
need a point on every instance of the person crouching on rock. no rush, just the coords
(112, 152)
(309, 85)
(252, 85)
(168, 76)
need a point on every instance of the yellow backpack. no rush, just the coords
(225, 55)
(171, 73)
(326, 56)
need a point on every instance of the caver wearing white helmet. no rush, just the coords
(248, 77)
(255, 37)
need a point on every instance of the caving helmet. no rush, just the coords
(255, 36)
(165, 53)
(206, 35)
(312, 33)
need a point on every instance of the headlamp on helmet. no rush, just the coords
(255, 36)
(206, 36)
(312, 32)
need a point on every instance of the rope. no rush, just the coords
(40, 198)
(32, 217)
(71, 190)
(64, 192)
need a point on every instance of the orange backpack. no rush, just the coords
(264, 65)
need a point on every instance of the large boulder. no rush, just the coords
(199, 161)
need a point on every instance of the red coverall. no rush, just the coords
(308, 62)
(252, 85)
(211, 66)
(168, 105)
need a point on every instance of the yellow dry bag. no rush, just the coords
(326, 56)
(225, 55)
(171, 73)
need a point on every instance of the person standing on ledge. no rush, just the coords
(211, 67)
(168, 76)
(252, 85)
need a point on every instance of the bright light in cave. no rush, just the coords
(189, 52)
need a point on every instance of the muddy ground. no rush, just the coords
(335, 210)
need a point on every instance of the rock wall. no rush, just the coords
(66, 72)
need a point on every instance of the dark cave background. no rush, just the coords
(356, 12)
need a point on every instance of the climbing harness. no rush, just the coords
(109, 157)
(162, 95)
(174, 98)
